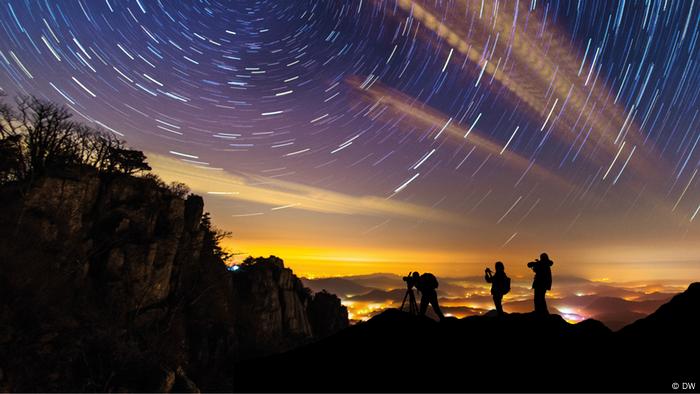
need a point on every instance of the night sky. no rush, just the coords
(364, 136)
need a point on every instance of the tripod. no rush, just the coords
(412, 306)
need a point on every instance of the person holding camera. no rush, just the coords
(500, 285)
(542, 282)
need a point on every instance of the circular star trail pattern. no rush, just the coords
(529, 117)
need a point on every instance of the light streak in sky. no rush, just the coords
(537, 68)
(402, 104)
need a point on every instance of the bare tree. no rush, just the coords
(47, 131)
(37, 134)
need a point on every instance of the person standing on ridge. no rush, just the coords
(542, 282)
(500, 285)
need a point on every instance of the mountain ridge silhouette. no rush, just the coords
(396, 351)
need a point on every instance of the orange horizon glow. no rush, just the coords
(337, 261)
(335, 234)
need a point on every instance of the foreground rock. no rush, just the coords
(276, 312)
(116, 283)
(395, 351)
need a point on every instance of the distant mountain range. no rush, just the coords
(396, 351)
(575, 298)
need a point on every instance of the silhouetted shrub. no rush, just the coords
(156, 180)
(11, 160)
(213, 237)
(273, 260)
(179, 189)
(127, 161)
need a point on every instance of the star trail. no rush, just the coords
(371, 135)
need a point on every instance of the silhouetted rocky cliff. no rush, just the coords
(276, 312)
(112, 282)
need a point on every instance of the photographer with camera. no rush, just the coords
(426, 284)
(500, 285)
(542, 282)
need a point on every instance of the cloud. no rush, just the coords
(413, 111)
(277, 193)
(576, 299)
(554, 81)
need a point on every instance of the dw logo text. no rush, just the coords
(683, 385)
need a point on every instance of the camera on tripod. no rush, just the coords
(410, 280)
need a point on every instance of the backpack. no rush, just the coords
(506, 286)
(429, 281)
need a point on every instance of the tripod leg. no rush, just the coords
(404, 300)
(413, 305)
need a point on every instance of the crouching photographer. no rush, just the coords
(427, 285)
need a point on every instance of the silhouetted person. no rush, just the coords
(500, 285)
(427, 285)
(542, 282)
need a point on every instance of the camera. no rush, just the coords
(410, 281)
(488, 270)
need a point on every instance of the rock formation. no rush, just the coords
(326, 315)
(276, 312)
(111, 282)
